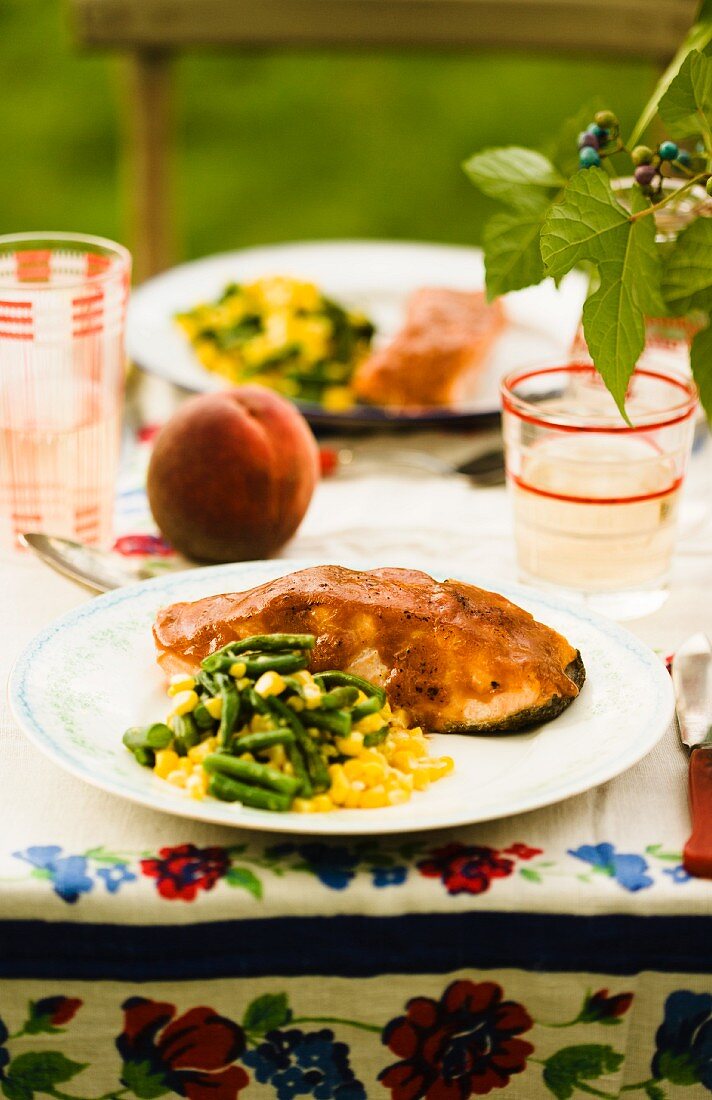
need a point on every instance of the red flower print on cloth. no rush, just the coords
(523, 851)
(190, 1055)
(182, 871)
(600, 1007)
(465, 869)
(56, 1010)
(463, 1045)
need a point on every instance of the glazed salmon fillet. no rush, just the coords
(437, 357)
(456, 657)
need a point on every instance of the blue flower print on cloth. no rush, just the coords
(389, 876)
(678, 874)
(684, 1040)
(629, 871)
(305, 1064)
(113, 877)
(68, 874)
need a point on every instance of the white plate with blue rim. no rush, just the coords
(374, 277)
(92, 673)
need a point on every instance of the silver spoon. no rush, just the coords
(96, 570)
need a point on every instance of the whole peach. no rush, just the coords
(232, 474)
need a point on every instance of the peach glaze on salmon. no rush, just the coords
(459, 659)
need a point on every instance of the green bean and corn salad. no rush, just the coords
(254, 726)
(283, 333)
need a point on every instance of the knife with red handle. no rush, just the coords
(692, 679)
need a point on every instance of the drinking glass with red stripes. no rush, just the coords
(595, 498)
(63, 301)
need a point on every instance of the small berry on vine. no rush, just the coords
(588, 141)
(645, 174)
(641, 155)
(606, 119)
(588, 157)
(598, 131)
(684, 158)
(668, 150)
(709, 186)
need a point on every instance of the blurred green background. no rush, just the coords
(281, 146)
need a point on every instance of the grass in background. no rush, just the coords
(281, 146)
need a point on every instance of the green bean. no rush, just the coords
(250, 770)
(342, 679)
(202, 717)
(185, 733)
(145, 757)
(230, 708)
(263, 662)
(207, 682)
(375, 738)
(369, 706)
(335, 721)
(257, 702)
(338, 698)
(157, 736)
(258, 643)
(256, 742)
(230, 790)
(296, 758)
(315, 763)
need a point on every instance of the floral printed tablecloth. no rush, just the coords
(563, 953)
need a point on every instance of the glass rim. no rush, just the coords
(532, 413)
(53, 238)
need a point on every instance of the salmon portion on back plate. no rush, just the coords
(459, 659)
(437, 356)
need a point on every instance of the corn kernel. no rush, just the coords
(180, 682)
(295, 703)
(374, 799)
(214, 706)
(197, 784)
(404, 760)
(303, 806)
(304, 677)
(351, 745)
(288, 768)
(312, 696)
(340, 788)
(373, 773)
(184, 702)
(398, 796)
(440, 767)
(270, 683)
(245, 682)
(166, 761)
(277, 756)
(177, 778)
(198, 753)
(352, 800)
(353, 768)
(238, 669)
(369, 724)
(247, 756)
(400, 717)
(421, 779)
(322, 804)
(260, 723)
(186, 765)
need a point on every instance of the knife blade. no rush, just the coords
(692, 680)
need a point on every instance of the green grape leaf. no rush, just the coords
(41, 1070)
(698, 38)
(530, 875)
(568, 1068)
(686, 107)
(590, 225)
(244, 879)
(512, 252)
(516, 176)
(267, 1012)
(653, 1091)
(701, 363)
(687, 272)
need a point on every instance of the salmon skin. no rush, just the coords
(438, 355)
(459, 659)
